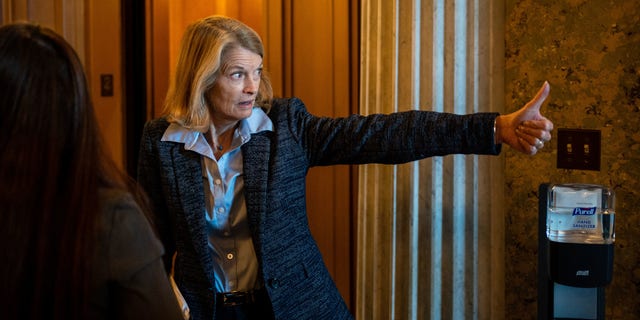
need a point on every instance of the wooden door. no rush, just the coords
(318, 71)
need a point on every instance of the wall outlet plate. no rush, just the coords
(106, 85)
(579, 149)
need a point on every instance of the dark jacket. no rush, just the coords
(129, 280)
(275, 166)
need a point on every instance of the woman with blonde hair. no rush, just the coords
(225, 169)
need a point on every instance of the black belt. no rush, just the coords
(236, 298)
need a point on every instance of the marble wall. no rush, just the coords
(589, 51)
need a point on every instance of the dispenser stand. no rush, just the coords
(557, 301)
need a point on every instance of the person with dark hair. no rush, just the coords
(75, 241)
(226, 164)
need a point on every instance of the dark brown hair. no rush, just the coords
(52, 165)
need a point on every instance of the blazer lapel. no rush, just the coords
(187, 169)
(256, 155)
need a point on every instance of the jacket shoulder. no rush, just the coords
(290, 104)
(156, 125)
(287, 111)
(154, 130)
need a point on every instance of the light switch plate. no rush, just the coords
(106, 85)
(579, 149)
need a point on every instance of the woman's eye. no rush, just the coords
(236, 75)
(256, 74)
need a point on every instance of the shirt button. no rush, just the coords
(230, 256)
(218, 181)
(220, 209)
(227, 233)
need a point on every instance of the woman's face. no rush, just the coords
(234, 91)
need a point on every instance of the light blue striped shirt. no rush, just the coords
(230, 242)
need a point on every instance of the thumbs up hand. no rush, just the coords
(526, 130)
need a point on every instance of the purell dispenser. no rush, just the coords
(575, 250)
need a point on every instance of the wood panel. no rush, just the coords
(319, 71)
(104, 56)
(93, 30)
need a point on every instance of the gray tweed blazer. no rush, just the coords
(275, 167)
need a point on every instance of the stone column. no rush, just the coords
(430, 233)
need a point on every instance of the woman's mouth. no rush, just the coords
(248, 103)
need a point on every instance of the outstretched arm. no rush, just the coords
(526, 130)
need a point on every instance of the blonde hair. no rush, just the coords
(199, 61)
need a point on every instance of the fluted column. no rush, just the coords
(430, 233)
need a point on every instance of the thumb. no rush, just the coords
(533, 106)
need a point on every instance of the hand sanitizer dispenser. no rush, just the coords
(576, 250)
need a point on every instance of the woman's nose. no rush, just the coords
(251, 85)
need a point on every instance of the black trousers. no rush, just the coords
(258, 307)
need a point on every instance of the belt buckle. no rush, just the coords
(235, 298)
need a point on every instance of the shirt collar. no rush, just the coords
(195, 141)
